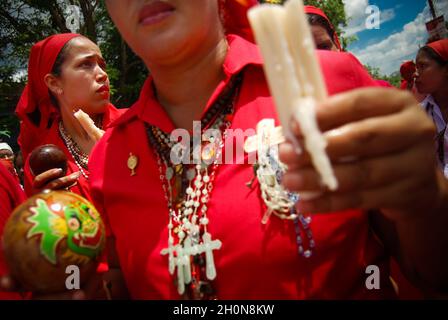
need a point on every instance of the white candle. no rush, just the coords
(293, 74)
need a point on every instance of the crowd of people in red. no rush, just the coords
(392, 200)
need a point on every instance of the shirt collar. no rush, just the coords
(241, 54)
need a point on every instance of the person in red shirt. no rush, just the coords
(11, 195)
(196, 231)
(66, 72)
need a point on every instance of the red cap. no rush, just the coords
(441, 47)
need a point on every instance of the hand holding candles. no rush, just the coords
(293, 74)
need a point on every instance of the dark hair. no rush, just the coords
(433, 55)
(317, 20)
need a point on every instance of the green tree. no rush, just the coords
(394, 78)
(24, 22)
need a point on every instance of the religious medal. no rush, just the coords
(132, 163)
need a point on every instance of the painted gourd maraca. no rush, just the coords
(49, 232)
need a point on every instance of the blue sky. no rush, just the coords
(402, 30)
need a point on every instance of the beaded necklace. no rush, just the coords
(81, 158)
(187, 189)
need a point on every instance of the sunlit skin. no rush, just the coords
(322, 38)
(384, 132)
(83, 84)
(187, 45)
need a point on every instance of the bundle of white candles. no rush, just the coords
(293, 74)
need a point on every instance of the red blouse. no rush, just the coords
(52, 136)
(255, 261)
(11, 195)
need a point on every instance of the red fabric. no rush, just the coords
(441, 47)
(407, 71)
(52, 136)
(234, 14)
(9, 165)
(11, 195)
(384, 83)
(256, 261)
(319, 12)
(35, 95)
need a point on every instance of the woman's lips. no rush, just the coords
(104, 91)
(155, 12)
(103, 88)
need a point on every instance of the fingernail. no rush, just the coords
(76, 174)
(309, 195)
(295, 143)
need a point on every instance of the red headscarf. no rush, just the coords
(441, 47)
(35, 95)
(319, 12)
(234, 13)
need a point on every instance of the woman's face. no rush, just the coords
(164, 32)
(322, 38)
(430, 76)
(83, 82)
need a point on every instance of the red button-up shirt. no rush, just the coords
(255, 261)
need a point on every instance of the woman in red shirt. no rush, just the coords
(196, 231)
(66, 72)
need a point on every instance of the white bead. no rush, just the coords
(206, 179)
(181, 234)
(204, 199)
(204, 192)
(189, 190)
(198, 193)
(170, 226)
(204, 221)
(196, 204)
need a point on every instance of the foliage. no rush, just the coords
(24, 22)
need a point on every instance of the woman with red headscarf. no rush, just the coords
(432, 79)
(66, 72)
(324, 33)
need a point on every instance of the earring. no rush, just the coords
(59, 91)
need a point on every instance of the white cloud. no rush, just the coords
(355, 11)
(389, 53)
